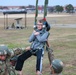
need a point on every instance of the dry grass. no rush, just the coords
(51, 18)
(62, 40)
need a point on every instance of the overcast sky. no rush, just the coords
(33, 2)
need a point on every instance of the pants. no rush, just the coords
(26, 55)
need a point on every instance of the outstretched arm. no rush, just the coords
(47, 43)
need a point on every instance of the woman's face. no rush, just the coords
(39, 26)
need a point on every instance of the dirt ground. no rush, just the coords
(51, 18)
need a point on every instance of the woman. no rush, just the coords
(38, 40)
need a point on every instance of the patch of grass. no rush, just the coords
(62, 40)
(71, 37)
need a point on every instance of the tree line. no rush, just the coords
(68, 9)
(59, 9)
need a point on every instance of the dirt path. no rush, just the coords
(33, 15)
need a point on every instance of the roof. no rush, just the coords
(15, 12)
(18, 18)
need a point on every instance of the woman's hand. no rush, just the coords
(28, 48)
(36, 33)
